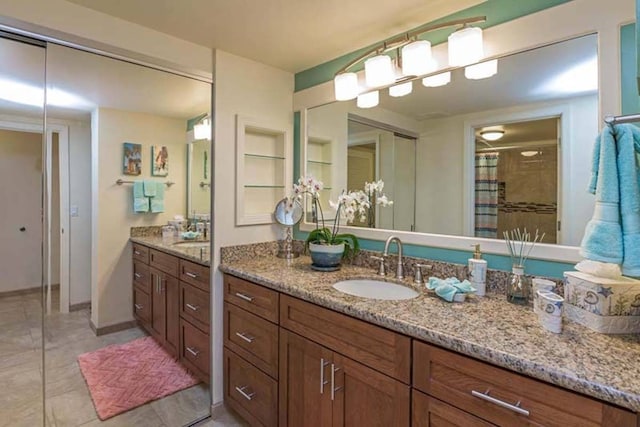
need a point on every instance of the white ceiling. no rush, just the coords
(289, 34)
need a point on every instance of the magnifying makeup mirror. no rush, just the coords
(288, 217)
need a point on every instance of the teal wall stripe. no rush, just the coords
(628, 64)
(192, 122)
(496, 11)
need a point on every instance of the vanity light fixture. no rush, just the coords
(368, 100)
(202, 129)
(401, 89)
(529, 153)
(414, 60)
(482, 70)
(492, 135)
(437, 80)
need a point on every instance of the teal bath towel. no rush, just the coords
(602, 239)
(149, 188)
(628, 141)
(157, 202)
(140, 202)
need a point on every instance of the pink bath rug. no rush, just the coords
(124, 376)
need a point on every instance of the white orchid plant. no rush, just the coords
(349, 206)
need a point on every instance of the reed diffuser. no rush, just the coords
(520, 244)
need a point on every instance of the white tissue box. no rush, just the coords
(610, 306)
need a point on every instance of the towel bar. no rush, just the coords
(120, 182)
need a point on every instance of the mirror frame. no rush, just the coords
(563, 22)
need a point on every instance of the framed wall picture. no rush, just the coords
(132, 159)
(160, 160)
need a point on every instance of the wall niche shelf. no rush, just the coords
(319, 164)
(263, 154)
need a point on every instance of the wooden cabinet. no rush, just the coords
(429, 412)
(175, 313)
(505, 398)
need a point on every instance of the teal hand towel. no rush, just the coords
(628, 138)
(448, 288)
(150, 188)
(140, 203)
(157, 202)
(602, 239)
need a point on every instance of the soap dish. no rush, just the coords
(459, 297)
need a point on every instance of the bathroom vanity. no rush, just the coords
(298, 352)
(171, 300)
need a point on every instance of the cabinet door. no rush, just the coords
(158, 306)
(430, 412)
(170, 287)
(364, 397)
(305, 398)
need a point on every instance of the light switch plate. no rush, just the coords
(74, 211)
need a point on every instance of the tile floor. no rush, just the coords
(68, 403)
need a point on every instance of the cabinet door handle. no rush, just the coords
(243, 335)
(138, 306)
(192, 307)
(244, 297)
(248, 396)
(323, 382)
(193, 351)
(190, 274)
(333, 381)
(136, 252)
(515, 408)
(138, 275)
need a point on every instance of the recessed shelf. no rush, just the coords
(264, 186)
(263, 157)
(318, 162)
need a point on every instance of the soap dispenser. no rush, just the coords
(478, 271)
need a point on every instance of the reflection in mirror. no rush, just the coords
(553, 87)
(22, 282)
(199, 178)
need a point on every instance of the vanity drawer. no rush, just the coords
(252, 337)
(376, 347)
(194, 349)
(194, 306)
(141, 306)
(195, 274)
(141, 253)
(254, 298)
(249, 391)
(479, 388)
(141, 276)
(164, 262)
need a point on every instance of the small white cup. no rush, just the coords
(540, 285)
(550, 310)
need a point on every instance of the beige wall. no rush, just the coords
(113, 204)
(20, 192)
(264, 93)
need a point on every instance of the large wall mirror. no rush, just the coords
(474, 157)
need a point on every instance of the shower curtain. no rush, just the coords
(486, 191)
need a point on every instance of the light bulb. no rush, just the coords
(378, 71)
(346, 86)
(465, 47)
(437, 80)
(482, 70)
(401, 89)
(368, 100)
(417, 60)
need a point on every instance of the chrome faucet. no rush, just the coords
(400, 268)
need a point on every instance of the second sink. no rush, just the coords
(375, 289)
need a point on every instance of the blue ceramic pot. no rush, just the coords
(326, 255)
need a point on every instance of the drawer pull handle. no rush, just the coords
(136, 252)
(190, 274)
(323, 382)
(193, 351)
(245, 337)
(138, 275)
(515, 408)
(192, 307)
(244, 297)
(138, 306)
(248, 396)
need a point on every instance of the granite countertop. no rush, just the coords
(490, 329)
(179, 250)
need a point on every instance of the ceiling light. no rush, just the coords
(417, 60)
(465, 46)
(346, 86)
(437, 80)
(492, 135)
(378, 71)
(482, 70)
(202, 130)
(401, 89)
(529, 153)
(368, 100)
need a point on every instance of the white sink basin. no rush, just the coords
(375, 289)
(190, 244)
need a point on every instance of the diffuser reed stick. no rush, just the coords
(520, 244)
